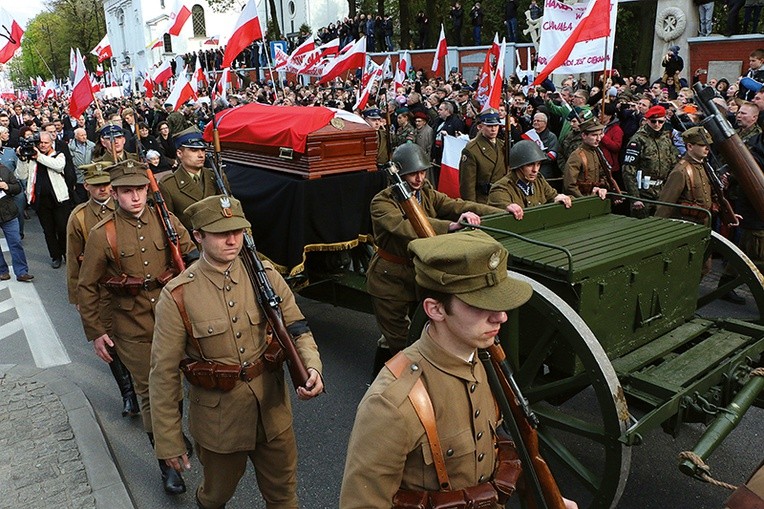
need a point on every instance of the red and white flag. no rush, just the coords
(246, 31)
(212, 40)
(400, 75)
(102, 49)
(99, 70)
(494, 96)
(594, 24)
(306, 47)
(371, 76)
(182, 92)
(11, 36)
(534, 137)
(449, 165)
(441, 50)
(351, 59)
(95, 85)
(198, 76)
(156, 43)
(82, 92)
(281, 59)
(484, 80)
(148, 87)
(495, 48)
(178, 18)
(162, 73)
(331, 48)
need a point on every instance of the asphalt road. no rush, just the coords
(346, 340)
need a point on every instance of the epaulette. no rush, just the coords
(398, 390)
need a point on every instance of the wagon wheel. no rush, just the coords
(573, 388)
(582, 415)
(747, 275)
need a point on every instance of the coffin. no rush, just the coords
(307, 141)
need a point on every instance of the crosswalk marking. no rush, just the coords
(9, 328)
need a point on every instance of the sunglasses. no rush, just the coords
(657, 120)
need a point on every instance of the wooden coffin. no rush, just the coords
(338, 147)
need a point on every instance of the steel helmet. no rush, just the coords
(525, 152)
(410, 158)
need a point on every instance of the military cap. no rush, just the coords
(128, 173)
(656, 112)
(190, 137)
(372, 113)
(96, 173)
(217, 214)
(697, 136)
(111, 130)
(489, 117)
(590, 125)
(470, 265)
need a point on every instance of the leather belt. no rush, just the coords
(152, 284)
(249, 372)
(392, 258)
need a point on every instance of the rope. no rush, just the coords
(705, 469)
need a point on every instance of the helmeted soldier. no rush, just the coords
(482, 161)
(649, 158)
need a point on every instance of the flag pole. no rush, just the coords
(270, 70)
(604, 81)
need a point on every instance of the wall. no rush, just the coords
(722, 57)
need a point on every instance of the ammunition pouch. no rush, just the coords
(125, 285)
(585, 187)
(696, 216)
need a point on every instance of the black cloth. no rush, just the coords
(288, 212)
(8, 208)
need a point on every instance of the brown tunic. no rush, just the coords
(687, 184)
(583, 169)
(506, 191)
(179, 191)
(481, 165)
(84, 217)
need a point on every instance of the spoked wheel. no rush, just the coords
(746, 275)
(571, 385)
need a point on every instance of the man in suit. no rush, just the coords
(482, 161)
(191, 182)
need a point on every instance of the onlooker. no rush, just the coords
(510, 20)
(752, 12)
(476, 15)
(457, 19)
(549, 144)
(424, 30)
(755, 72)
(733, 12)
(81, 149)
(706, 17)
(9, 223)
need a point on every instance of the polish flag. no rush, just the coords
(441, 50)
(495, 48)
(331, 48)
(182, 92)
(178, 18)
(246, 31)
(213, 40)
(307, 63)
(352, 59)
(102, 49)
(156, 43)
(594, 24)
(534, 137)
(308, 46)
(11, 36)
(94, 84)
(449, 165)
(82, 92)
(162, 73)
(371, 68)
(494, 96)
(400, 75)
(223, 83)
(363, 98)
(198, 76)
(281, 59)
(484, 80)
(99, 70)
(148, 87)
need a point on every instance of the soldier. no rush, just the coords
(85, 216)
(524, 186)
(466, 290)
(482, 161)
(374, 118)
(208, 313)
(113, 143)
(585, 173)
(192, 181)
(649, 158)
(128, 254)
(390, 278)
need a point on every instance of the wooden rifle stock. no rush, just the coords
(266, 296)
(410, 205)
(726, 211)
(169, 228)
(608, 172)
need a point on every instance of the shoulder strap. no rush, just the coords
(177, 296)
(688, 169)
(584, 162)
(422, 404)
(80, 215)
(111, 239)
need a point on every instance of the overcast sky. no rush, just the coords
(24, 11)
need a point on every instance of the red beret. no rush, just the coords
(421, 114)
(655, 112)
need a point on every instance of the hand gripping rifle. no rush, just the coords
(611, 182)
(726, 212)
(542, 491)
(731, 146)
(266, 296)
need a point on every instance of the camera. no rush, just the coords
(27, 147)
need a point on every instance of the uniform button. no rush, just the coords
(143, 250)
(190, 274)
(480, 435)
(209, 330)
(450, 452)
(235, 319)
(481, 479)
(477, 413)
(148, 276)
(146, 262)
(153, 299)
(231, 303)
(473, 387)
(414, 367)
(481, 456)
(139, 227)
(140, 238)
(122, 253)
(238, 335)
(227, 288)
(241, 350)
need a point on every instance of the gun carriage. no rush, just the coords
(615, 342)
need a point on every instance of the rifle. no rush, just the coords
(726, 212)
(611, 182)
(507, 135)
(519, 419)
(267, 298)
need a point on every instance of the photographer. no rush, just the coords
(476, 15)
(457, 18)
(49, 196)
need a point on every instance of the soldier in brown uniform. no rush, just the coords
(482, 161)
(390, 278)
(524, 186)
(191, 181)
(113, 142)
(584, 173)
(85, 216)
(466, 293)
(128, 254)
(373, 117)
(221, 323)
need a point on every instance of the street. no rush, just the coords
(39, 327)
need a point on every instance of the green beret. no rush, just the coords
(217, 214)
(470, 265)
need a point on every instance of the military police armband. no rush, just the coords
(298, 328)
(631, 155)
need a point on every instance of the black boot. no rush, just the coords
(380, 358)
(189, 445)
(125, 382)
(731, 296)
(172, 481)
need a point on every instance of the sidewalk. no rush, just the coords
(53, 453)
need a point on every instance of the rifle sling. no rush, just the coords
(111, 238)
(422, 404)
(177, 296)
